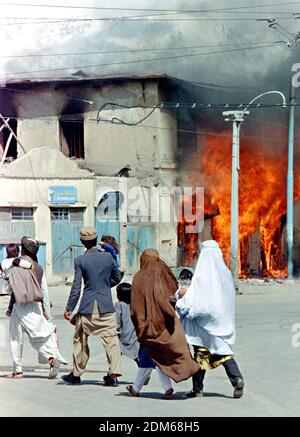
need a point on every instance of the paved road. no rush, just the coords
(264, 351)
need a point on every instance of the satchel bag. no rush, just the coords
(36, 289)
(25, 286)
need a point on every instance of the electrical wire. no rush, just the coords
(208, 133)
(189, 131)
(118, 120)
(145, 49)
(138, 60)
(128, 19)
(162, 12)
(178, 105)
(288, 13)
(150, 9)
(148, 17)
(165, 104)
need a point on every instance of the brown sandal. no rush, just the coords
(15, 375)
(169, 394)
(132, 392)
(54, 368)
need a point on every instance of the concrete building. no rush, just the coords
(80, 147)
(104, 151)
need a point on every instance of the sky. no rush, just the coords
(224, 44)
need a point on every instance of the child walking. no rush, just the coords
(129, 344)
(131, 348)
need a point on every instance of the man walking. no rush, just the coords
(96, 314)
(29, 309)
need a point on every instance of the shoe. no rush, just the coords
(169, 393)
(15, 375)
(110, 382)
(134, 393)
(194, 394)
(147, 380)
(71, 379)
(239, 388)
(54, 368)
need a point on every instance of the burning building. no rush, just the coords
(262, 200)
(82, 139)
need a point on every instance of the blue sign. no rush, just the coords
(59, 195)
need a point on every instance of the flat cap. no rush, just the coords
(88, 233)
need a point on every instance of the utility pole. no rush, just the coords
(290, 185)
(291, 40)
(236, 117)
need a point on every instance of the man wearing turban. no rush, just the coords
(29, 311)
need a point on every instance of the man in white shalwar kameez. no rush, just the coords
(30, 315)
(207, 312)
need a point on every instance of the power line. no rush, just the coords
(159, 106)
(288, 13)
(190, 131)
(137, 50)
(200, 132)
(162, 105)
(170, 106)
(157, 20)
(150, 9)
(45, 20)
(204, 106)
(138, 60)
(118, 120)
(245, 9)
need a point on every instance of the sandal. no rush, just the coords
(169, 393)
(134, 393)
(54, 368)
(15, 375)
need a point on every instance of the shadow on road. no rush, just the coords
(178, 396)
(96, 382)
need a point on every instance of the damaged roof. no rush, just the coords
(81, 76)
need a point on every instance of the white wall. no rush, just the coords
(34, 193)
(109, 147)
(37, 133)
(26, 183)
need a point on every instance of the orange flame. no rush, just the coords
(262, 197)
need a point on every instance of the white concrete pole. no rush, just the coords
(236, 117)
